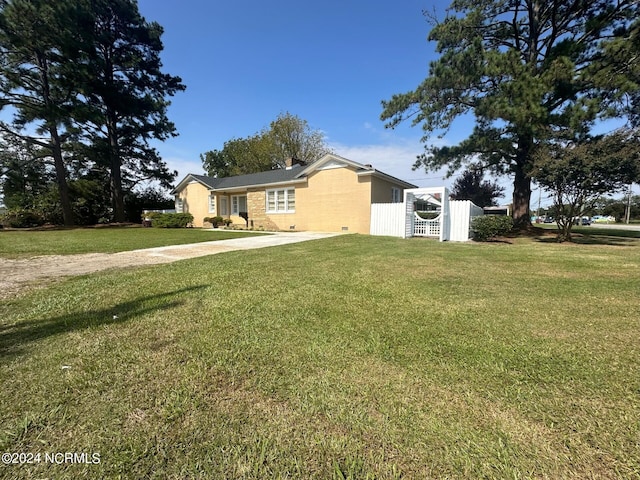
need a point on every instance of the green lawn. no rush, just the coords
(594, 234)
(349, 357)
(18, 243)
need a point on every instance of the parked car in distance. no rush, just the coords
(603, 219)
(548, 219)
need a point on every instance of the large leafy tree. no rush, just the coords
(239, 156)
(126, 96)
(577, 174)
(526, 69)
(38, 55)
(288, 136)
(216, 163)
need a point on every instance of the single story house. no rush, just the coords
(333, 194)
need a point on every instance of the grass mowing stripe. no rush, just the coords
(351, 356)
(20, 244)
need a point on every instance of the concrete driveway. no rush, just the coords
(191, 250)
(18, 275)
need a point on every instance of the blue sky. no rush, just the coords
(330, 63)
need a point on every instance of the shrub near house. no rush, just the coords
(214, 222)
(490, 226)
(170, 220)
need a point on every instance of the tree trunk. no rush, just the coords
(56, 147)
(522, 184)
(115, 163)
(521, 199)
(61, 177)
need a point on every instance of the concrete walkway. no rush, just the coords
(18, 275)
(179, 252)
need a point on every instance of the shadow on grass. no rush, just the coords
(596, 238)
(14, 339)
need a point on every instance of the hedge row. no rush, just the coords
(169, 220)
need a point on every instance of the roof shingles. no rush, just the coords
(251, 179)
(272, 177)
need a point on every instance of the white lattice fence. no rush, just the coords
(423, 227)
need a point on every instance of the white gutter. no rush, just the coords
(258, 185)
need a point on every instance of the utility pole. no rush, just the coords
(628, 212)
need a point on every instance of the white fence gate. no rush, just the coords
(423, 227)
(401, 220)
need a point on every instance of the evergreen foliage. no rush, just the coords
(471, 185)
(524, 69)
(83, 80)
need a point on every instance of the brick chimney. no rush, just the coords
(289, 162)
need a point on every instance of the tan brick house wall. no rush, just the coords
(333, 197)
(195, 200)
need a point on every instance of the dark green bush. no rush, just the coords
(214, 221)
(489, 226)
(22, 218)
(171, 220)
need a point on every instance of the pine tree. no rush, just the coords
(525, 69)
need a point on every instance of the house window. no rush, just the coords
(223, 206)
(238, 204)
(281, 201)
(179, 205)
(396, 195)
(212, 203)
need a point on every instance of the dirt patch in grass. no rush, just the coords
(20, 275)
(17, 276)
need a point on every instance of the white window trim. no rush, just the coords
(179, 205)
(223, 205)
(285, 192)
(396, 195)
(212, 203)
(235, 206)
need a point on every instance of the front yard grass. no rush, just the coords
(29, 243)
(349, 357)
(595, 233)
